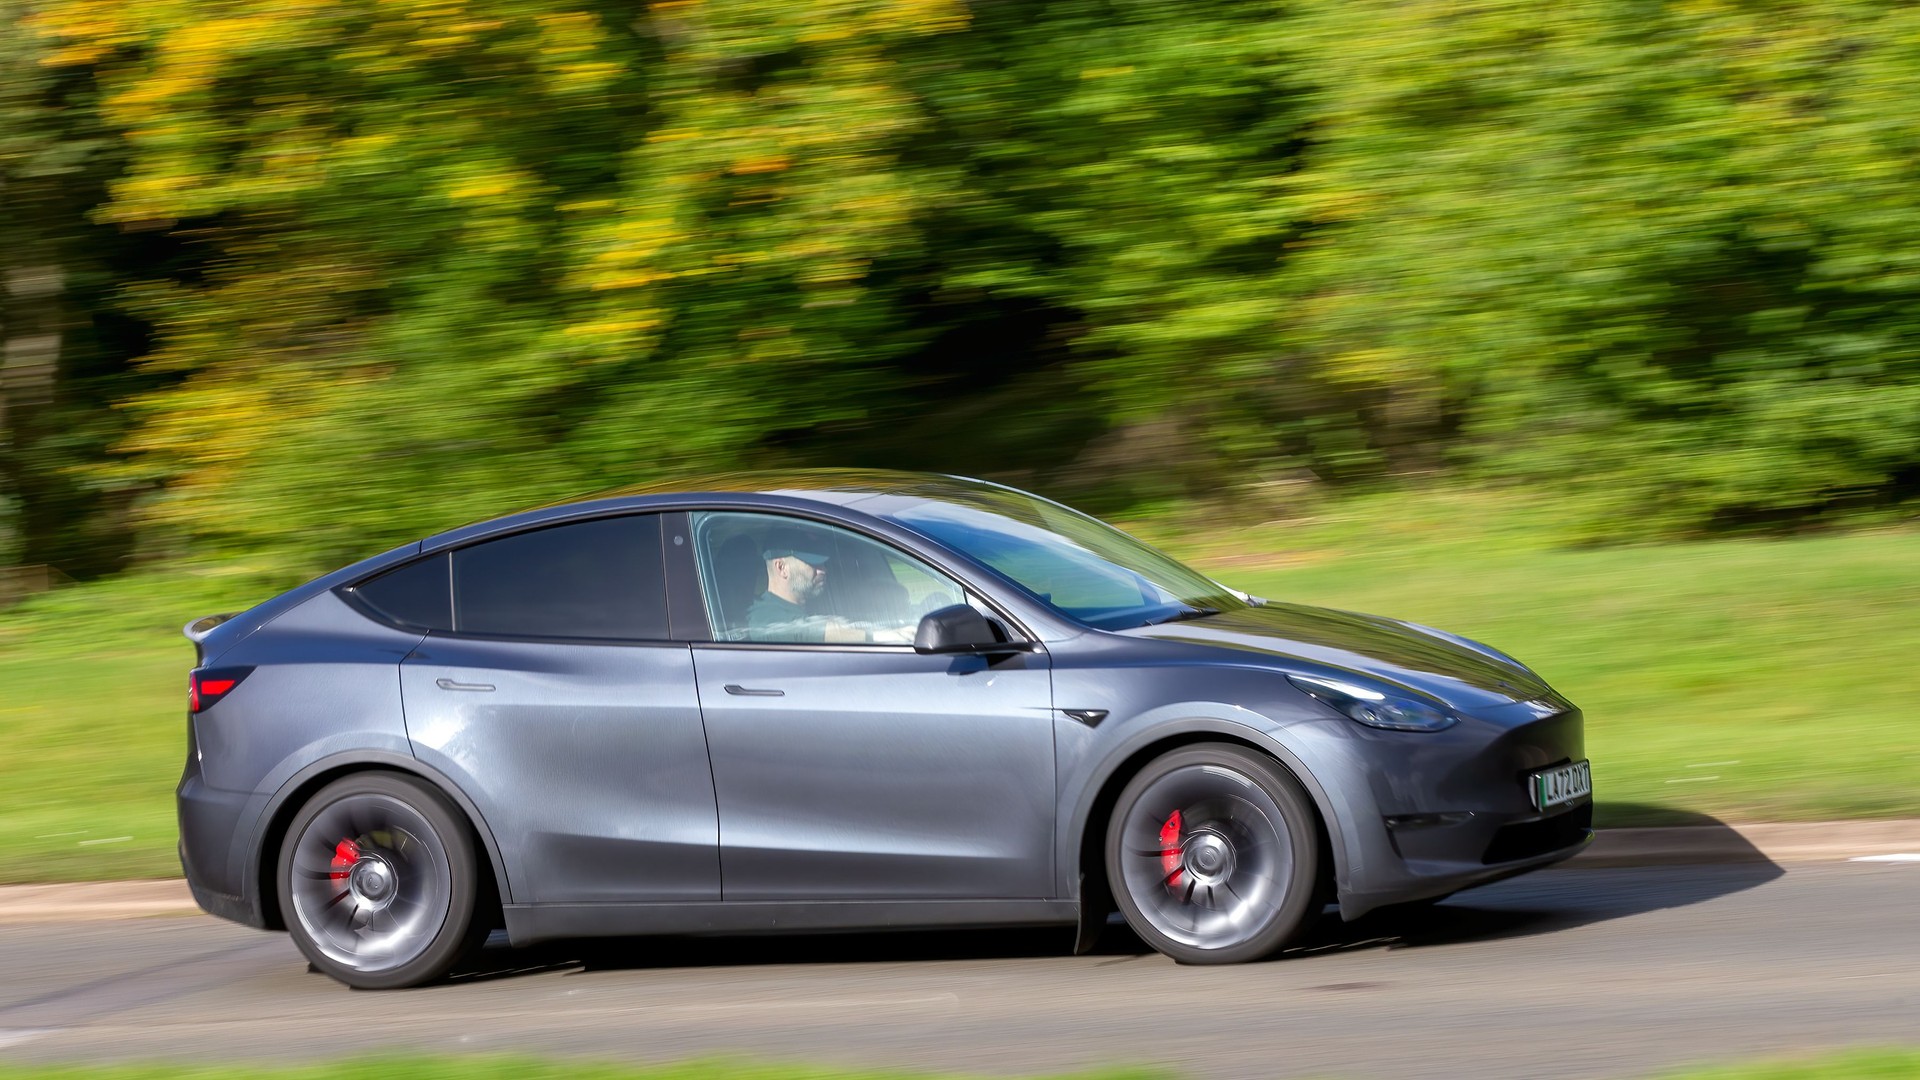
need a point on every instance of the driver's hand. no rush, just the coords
(839, 631)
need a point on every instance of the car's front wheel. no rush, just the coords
(1212, 854)
(378, 881)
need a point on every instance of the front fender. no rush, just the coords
(1308, 750)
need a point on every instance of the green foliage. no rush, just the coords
(1656, 256)
(59, 350)
(386, 265)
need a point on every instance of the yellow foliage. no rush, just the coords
(769, 164)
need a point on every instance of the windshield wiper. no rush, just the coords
(1183, 615)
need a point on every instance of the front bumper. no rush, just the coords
(1430, 815)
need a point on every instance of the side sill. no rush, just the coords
(530, 923)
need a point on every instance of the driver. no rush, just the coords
(795, 574)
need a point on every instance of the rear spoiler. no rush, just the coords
(198, 629)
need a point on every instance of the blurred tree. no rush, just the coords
(63, 353)
(1125, 161)
(459, 256)
(423, 260)
(1659, 257)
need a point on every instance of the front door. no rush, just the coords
(845, 765)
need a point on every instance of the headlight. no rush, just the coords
(1390, 712)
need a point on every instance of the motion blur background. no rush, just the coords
(291, 280)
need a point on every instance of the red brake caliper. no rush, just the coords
(1170, 849)
(345, 854)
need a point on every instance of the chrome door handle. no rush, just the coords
(449, 684)
(740, 691)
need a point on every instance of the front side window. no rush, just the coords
(599, 579)
(769, 578)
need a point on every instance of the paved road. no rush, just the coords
(1574, 973)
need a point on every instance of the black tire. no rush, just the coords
(1240, 880)
(378, 882)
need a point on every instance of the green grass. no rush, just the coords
(1747, 680)
(1855, 1065)
(93, 724)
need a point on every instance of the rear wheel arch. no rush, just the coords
(1090, 859)
(295, 793)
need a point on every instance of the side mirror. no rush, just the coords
(960, 629)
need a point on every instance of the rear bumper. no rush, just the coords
(212, 855)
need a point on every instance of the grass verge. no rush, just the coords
(1854, 1065)
(1747, 680)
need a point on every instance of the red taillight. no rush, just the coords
(206, 687)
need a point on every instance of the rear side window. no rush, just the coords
(591, 579)
(418, 594)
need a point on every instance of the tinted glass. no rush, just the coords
(593, 579)
(417, 594)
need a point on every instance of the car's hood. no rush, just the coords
(1451, 669)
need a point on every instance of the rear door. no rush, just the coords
(558, 702)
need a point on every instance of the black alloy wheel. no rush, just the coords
(1212, 855)
(378, 882)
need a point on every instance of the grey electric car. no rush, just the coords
(840, 700)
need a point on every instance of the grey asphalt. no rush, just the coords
(1568, 973)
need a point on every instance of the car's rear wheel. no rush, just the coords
(378, 881)
(1212, 854)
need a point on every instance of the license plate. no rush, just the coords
(1562, 785)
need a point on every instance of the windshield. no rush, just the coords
(1081, 567)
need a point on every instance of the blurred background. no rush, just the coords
(289, 280)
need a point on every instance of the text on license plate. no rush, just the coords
(1561, 785)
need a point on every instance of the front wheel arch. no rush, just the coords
(1094, 891)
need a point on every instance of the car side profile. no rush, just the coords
(834, 701)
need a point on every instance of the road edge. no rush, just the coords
(1790, 842)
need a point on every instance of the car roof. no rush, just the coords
(792, 488)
